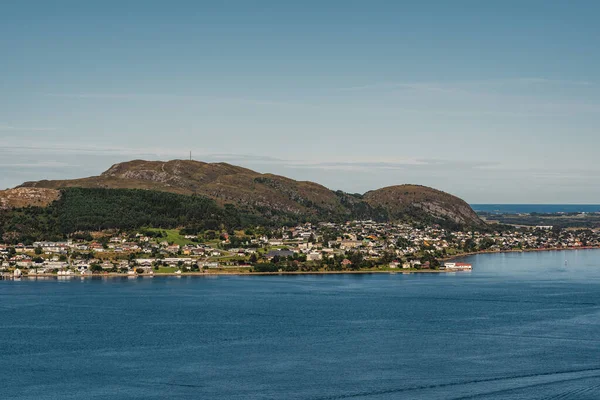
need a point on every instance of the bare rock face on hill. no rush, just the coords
(23, 197)
(268, 193)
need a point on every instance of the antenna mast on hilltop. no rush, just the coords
(190, 155)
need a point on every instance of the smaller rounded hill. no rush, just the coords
(421, 201)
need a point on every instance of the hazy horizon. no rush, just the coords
(494, 103)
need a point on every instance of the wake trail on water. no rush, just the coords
(483, 334)
(507, 379)
(562, 395)
(569, 303)
(569, 394)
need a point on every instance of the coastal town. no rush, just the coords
(354, 246)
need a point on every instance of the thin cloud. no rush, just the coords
(507, 98)
(545, 81)
(429, 87)
(455, 86)
(403, 164)
(241, 157)
(129, 153)
(171, 97)
(10, 128)
(38, 164)
(94, 150)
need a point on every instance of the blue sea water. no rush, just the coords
(519, 326)
(539, 208)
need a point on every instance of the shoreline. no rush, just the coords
(235, 273)
(474, 253)
(243, 273)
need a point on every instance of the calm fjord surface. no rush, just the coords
(521, 325)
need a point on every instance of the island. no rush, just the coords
(148, 218)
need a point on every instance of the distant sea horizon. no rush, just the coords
(539, 208)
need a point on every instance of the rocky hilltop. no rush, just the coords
(268, 194)
(24, 196)
(424, 201)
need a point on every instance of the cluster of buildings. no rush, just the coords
(405, 242)
(355, 244)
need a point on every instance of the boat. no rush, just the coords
(452, 266)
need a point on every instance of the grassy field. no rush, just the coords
(166, 270)
(173, 236)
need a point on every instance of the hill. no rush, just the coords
(234, 195)
(421, 203)
(222, 182)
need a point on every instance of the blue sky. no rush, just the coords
(495, 101)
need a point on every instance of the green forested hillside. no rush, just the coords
(96, 209)
(80, 209)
